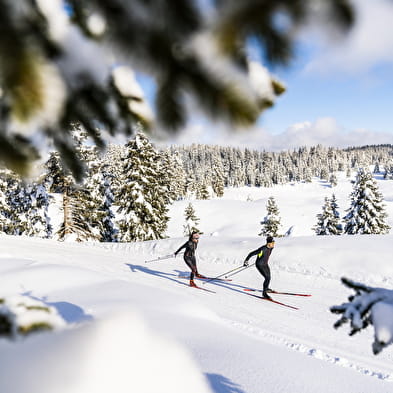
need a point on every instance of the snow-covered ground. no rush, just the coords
(240, 211)
(136, 326)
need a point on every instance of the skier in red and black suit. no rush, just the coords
(263, 254)
(189, 256)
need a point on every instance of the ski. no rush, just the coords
(273, 301)
(203, 289)
(277, 292)
(206, 278)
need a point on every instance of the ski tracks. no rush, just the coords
(319, 354)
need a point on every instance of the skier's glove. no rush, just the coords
(245, 263)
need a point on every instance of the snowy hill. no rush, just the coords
(299, 203)
(136, 326)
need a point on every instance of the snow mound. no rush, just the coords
(118, 355)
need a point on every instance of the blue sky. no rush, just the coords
(344, 85)
(359, 100)
(339, 92)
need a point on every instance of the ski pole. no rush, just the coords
(159, 258)
(223, 274)
(244, 268)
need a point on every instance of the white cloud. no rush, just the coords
(325, 131)
(368, 43)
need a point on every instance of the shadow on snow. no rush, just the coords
(70, 312)
(168, 276)
(185, 274)
(221, 384)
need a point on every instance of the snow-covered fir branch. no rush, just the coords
(369, 306)
(23, 315)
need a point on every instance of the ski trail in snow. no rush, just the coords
(314, 352)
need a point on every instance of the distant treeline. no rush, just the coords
(235, 167)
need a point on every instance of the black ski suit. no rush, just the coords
(261, 263)
(189, 256)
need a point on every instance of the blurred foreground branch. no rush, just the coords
(369, 306)
(57, 64)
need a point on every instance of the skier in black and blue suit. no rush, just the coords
(261, 263)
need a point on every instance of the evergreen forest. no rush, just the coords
(126, 192)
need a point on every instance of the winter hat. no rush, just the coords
(269, 239)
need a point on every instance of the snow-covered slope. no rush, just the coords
(136, 326)
(241, 210)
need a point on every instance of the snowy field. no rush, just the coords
(133, 326)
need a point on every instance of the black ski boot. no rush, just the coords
(266, 296)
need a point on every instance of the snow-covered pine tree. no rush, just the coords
(272, 222)
(179, 184)
(249, 165)
(60, 181)
(335, 227)
(192, 221)
(55, 174)
(265, 170)
(142, 198)
(217, 175)
(376, 168)
(202, 191)
(348, 172)
(267, 178)
(96, 194)
(93, 198)
(73, 226)
(239, 175)
(385, 173)
(367, 214)
(37, 201)
(341, 166)
(320, 227)
(191, 186)
(80, 204)
(307, 175)
(112, 161)
(329, 220)
(279, 174)
(19, 202)
(324, 174)
(333, 180)
(109, 232)
(8, 182)
(172, 176)
(388, 171)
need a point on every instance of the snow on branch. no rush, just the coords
(369, 306)
(22, 315)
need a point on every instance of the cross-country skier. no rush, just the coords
(263, 254)
(189, 256)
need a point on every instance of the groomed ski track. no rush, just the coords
(277, 343)
(308, 331)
